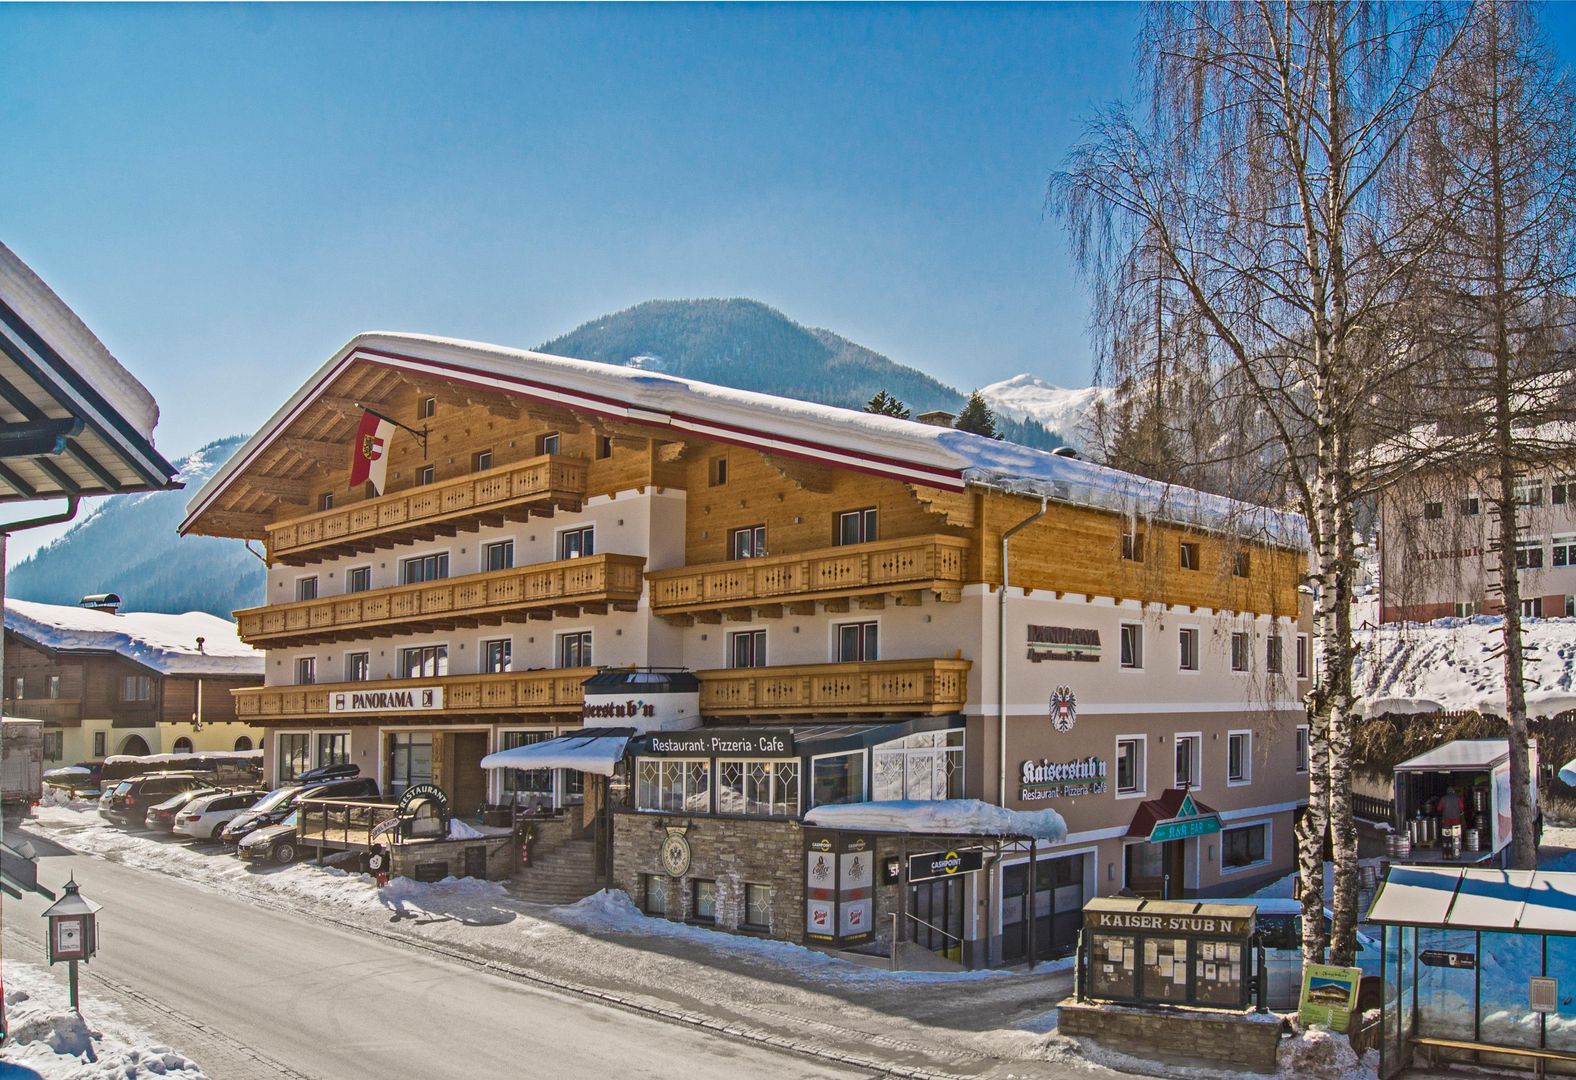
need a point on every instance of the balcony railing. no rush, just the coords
(541, 590)
(556, 691)
(49, 710)
(508, 492)
(910, 565)
(879, 686)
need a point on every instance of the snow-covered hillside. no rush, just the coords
(1455, 664)
(1063, 410)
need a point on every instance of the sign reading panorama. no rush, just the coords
(414, 699)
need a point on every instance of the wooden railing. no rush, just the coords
(916, 562)
(344, 822)
(1373, 808)
(437, 605)
(50, 710)
(493, 496)
(555, 691)
(909, 686)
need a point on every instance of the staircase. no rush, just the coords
(563, 866)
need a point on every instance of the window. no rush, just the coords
(838, 778)
(306, 670)
(424, 568)
(757, 906)
(1187, 761)
(294, 755)
(1302, 748)
(1528, 492)
(325, 501)
(183, 745)
(1565, 548)
(655, 893)
(1467, 609)
(54, 745)
(1129, 766)
(1239, 650)
(1274, 654)
(243, 743)
(358, 579)
(1532, 608)
(524, 784)
(1239, 757)
(1529, 554)
(1133, 544)
(100, 743)
(923, 767)
(574, 649)
(604, 446)
(358, 667)
(52, 686)
(1189, 556)
(498, 656)
(426, 475)
(857, 641)
(747, 543)
(548, 443)
(675, 785)
(1433, 511)
(1187, 649)
(427, 408)
(1302, 656)
(577, 543)
(856, 526)
(410, 760)
(19, 688)
(132, 688)
(747, 648)
(1242, 564)
(717, 471)
(1570, 607)
(703, 900)
(1563, 487)
(1247, 846)
(1132, 645)
(1470, 506)
(767, 788)
(481, 460)
(333, 748)
(306, 588)
(498, 556)
(424, 662)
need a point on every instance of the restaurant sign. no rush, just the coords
(1064, 643)
(721, 743)
(1168, 923)
(1045, 779)
(414, 699)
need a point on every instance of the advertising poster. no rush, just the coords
(1329, 995)
(1500, 809)
(818, 917)
(856, 918)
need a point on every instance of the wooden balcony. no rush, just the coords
(903, 569)
(540, 591)
(66, 711)
(881, 686)
(554, 692)
(507, 493)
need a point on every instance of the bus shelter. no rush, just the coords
(1479, 968)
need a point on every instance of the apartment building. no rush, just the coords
(763, 606)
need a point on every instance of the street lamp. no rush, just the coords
(73, 932)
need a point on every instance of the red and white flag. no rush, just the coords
(369, 460)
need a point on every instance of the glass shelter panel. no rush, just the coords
(1504, 963)
(1445, 995)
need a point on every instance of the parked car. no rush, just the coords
(130, 801)
(77, 780)
(110, 791)
(278, 844)
(277, 804)
(161, 816)
(325, 773)
(1280, 932)
(203, 817)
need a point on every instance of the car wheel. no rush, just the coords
(284, 853)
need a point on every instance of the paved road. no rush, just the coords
(250, 992)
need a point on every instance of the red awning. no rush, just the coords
(1173, 806)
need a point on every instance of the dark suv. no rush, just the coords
(131, 800)
(278, 804)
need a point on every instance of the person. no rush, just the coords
(1450, 808)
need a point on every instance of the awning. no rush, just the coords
(1462, 755)
(1176, 815)
(941, 817)
(597, 751)
(1513, 901)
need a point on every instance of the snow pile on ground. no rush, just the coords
(165, 643)
(58, 796)
(460, 830)
(941, 817)
(1321, 1054)
(54, 1042)
(1455, 664)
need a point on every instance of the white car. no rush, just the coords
(203, 818)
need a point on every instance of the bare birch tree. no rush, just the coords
(1261, 181)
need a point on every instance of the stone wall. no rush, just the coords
(503, 855)
(1237, 1039)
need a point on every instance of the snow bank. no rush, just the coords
(1321, 1054)
(460, 830)
(1454, 664)
(941, 817)
(164, 643)
(56, 1043)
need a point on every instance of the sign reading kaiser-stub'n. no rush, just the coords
(413, 699)
(1209, 924)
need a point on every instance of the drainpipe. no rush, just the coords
(1001, 648)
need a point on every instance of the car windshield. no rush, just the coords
(123, 787)
(274, 798)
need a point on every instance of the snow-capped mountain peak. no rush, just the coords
(1065, 410)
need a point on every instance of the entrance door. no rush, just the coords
(938, 907)
(1058, 908)
(468, 783)
(1156, 870)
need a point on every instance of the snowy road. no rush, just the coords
(252, 992)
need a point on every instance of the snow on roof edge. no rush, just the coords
(163, 643)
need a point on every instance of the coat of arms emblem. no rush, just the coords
(1064, 709)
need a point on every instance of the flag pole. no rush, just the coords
(422, 434)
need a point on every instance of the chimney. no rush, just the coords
(108, 602)
(936, 418)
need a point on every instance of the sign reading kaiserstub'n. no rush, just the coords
(1064, 643)
(413, 699)
(1045, 779)
(1212, 925)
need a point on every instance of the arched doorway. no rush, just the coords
(183, 745)
(134, 744)
(243, 743)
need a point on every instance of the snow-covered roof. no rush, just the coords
(591, 752)
(1458, 755)
(941, 817)
(163, 643)
(906, 450)
(1456, 664)
(1525, 901)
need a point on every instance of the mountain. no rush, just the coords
(127, 544)
(751, 346)
(1065, 411)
